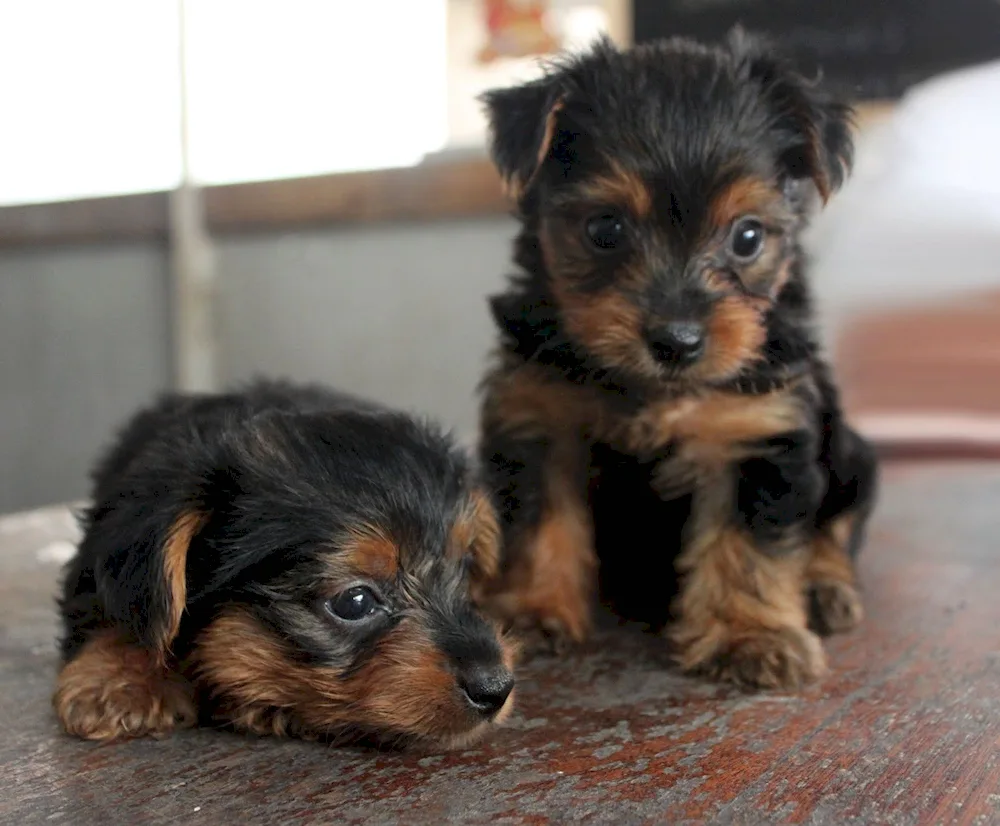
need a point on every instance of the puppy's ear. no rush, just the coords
(523, 125)
(477, 533)
(815, 126)
(140, 543)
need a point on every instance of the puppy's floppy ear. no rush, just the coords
(522, 122)
(815, 125)
(140, 541)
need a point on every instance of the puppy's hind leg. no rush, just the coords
(834, 597)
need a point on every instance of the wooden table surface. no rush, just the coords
(905, 730)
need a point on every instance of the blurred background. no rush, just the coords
(192, 193)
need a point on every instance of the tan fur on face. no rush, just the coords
(736, 336)
(404, 687)
(607, 322)
(765, 201)
(113, 689)
(745, 196)
(370, 552)
(609, 325)
(618, 188)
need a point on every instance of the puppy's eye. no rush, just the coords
(747, 239)
(606, 231)
(354, 604)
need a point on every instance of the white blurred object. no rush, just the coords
(58, 552)
(920, 219)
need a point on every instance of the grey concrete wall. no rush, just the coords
(397, 313)
(83, 340)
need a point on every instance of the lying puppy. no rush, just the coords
(286, 561)
(659, 339)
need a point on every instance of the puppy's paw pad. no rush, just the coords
(786, 659)
(835, 607)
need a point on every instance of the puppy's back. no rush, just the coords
(200, 412)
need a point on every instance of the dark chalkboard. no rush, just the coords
(873, 49)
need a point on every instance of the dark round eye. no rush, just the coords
(747, 239)
(354, 604)
(606, 231)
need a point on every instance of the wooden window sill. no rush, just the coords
(444, 189)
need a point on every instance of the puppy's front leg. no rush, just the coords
(779, 491)
(742, 610)
(116, 689)
(549, 574)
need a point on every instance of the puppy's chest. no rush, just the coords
(690, 440)
(710, 425)
(703, 427)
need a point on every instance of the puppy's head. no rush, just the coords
(666, 187)
(316, 574)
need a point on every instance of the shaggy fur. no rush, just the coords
(659, 409)
(283, 560)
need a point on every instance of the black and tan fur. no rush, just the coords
(283, 560)
(659, 408)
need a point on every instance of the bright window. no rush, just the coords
(89, 98)
(277, 88)
(298, 87)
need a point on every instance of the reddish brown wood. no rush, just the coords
(123, 217)
(940, 359)
(445, 190)
(905, 730)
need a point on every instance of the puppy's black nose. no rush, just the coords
(487, 687)
(680, 342)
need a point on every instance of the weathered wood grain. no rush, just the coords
(906, 729)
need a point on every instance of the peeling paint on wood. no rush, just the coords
(905, 730)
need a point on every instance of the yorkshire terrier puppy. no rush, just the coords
(283, 560)
(659, 404)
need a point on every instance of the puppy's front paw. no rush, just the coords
(113, 691)
(547, 620)
(834, 607)
(783, 659)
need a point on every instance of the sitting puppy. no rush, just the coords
(659, 403)
(287, 561)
